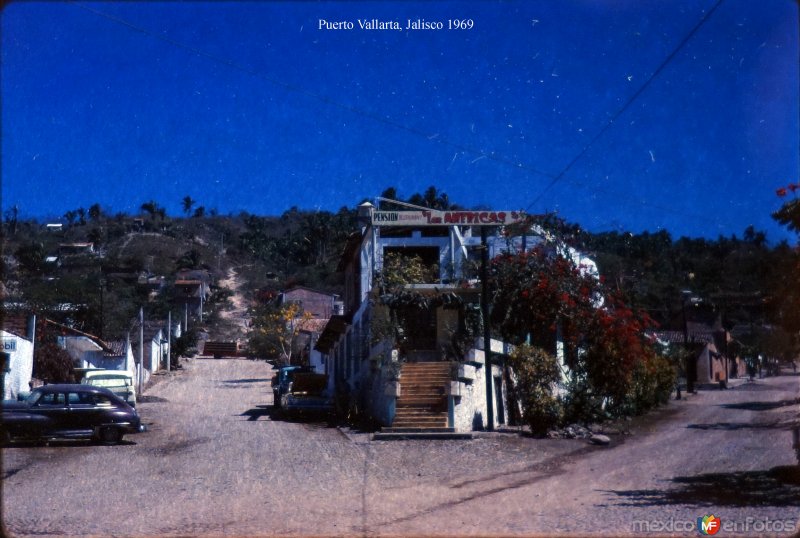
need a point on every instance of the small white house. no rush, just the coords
(17, 344)
(89, 351)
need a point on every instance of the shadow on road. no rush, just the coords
(260, 411)
(779, 486)
(762, 406)
(251, 380)
(59, 443)
(272, 413)
(732, 426)
(149, 398)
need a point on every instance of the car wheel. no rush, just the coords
(109, 435)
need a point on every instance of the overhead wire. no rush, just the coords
(627, 103)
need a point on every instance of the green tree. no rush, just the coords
(95, 212)
(187, 203)
(153, 209)
(31, 257)
(12, 219)
(71, 215)
(274, 331)
(787, 288)
(51, 362)
(536, 379)
(541, 296)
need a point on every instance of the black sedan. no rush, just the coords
(69, 412)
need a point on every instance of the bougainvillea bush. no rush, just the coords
(544, 297)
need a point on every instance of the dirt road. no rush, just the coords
(216, 462)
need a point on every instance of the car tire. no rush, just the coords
(109, 435)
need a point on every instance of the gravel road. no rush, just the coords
(215, 462)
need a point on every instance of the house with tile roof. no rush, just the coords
(194, 287)
(713, 359)
(91, 352)
(317, 307)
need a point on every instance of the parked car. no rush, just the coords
(282, 382)
(69, 411)
(308, 395)
(119, 382)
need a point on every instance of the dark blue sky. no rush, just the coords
(250, 106)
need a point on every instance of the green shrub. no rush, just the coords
(537, 376)
(652, 383)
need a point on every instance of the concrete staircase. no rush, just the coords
(421, 410)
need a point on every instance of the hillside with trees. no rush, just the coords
(744, 281)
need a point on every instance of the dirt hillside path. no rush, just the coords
(236, 315)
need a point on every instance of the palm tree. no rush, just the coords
(188, 203)
(95, 212)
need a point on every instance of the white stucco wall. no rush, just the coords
(469, 409)
(84, 352)
(20, 364)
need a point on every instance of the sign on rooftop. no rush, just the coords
(446, 218)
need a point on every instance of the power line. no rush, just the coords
(626, 105)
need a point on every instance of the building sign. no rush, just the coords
(446, 218)
(8, 346)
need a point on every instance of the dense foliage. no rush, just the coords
(274, 331)
(535, 387)
(543, 296)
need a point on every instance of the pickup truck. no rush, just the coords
(282, 381)
(118, 382)
(308, 394)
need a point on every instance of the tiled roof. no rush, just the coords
(67, 329)
(116, 348)
(335, 327)
(676, 337)
(315, 325)
(16, 325)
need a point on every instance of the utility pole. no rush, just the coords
(487, 337)
(169, 338)
(691, 367)
(141, 350)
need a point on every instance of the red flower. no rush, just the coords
(781, 192)
(793, 187)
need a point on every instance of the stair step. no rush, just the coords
(421, 402)
(419, 422)
(434, 435)
(417, 430)
(421, 407)
(418, 412)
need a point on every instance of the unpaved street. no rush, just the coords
(214, 462)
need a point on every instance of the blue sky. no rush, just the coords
(625, 115)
